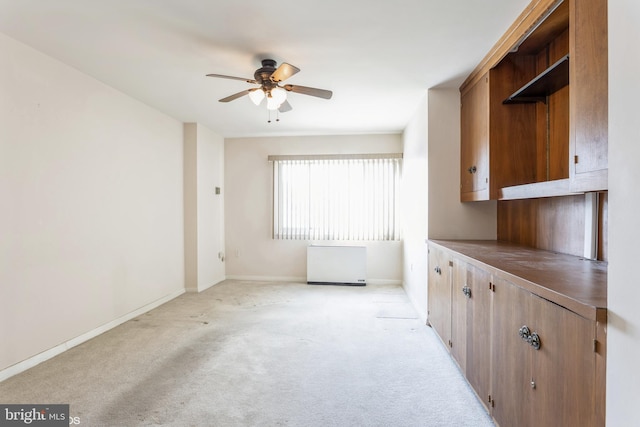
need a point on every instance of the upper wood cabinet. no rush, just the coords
(589, 95)
(534, 112)
(474, 150)
(497, 146)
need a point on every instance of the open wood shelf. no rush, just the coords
(549, 81)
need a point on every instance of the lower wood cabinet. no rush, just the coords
(439, 307)
(459, 313)
(511, 358)
(563, 368)
(531, 361)
(544, 361)
(471, 341)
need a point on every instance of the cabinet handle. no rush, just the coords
(467, 291)
(472, 169)
(437, 270)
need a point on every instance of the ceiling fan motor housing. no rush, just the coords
(263, 74)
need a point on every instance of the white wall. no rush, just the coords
(204, 209)
(623, 340)
(251, 252)
(91, 222)
(448, 218)
(415, 208)
(432, 164)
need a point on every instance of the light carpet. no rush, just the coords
(261, 354)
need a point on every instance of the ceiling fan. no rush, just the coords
(269, 78)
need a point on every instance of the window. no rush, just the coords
(353, 197)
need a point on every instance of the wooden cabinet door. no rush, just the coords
(588, 132)
(479, 335)
(510, 357)
(474, 142)
(439, 294)
(563, 369)
(552, 385)
(459, 309)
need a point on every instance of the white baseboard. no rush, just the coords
(204, 288)
(384, 282)
(269, 278)
(51, 353)
(304, 279)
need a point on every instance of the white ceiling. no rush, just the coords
(378, 57)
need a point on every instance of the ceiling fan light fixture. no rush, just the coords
(256, 96)
(276, 97)
(271, 104)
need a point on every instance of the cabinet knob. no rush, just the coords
(534, 340)
(524, 333)
(472, 169)
(437, 270)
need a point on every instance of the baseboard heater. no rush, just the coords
(337, 265)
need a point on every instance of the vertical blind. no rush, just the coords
(336, 197)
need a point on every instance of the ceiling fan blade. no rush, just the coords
(236, 95)
(285, 106)
(320, 93)
(283, 72)
(232, 78)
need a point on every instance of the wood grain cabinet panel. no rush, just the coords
(588, 96)
(530, 360)
(479, 333)
(550, 385)
(563, 369)
(439, 291)
(459, 314)
(511, 357)
(474, 149)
